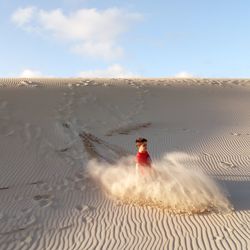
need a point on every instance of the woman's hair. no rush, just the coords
(140, 140)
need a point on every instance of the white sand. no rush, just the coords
(53, 198)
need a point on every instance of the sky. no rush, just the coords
(133, 38)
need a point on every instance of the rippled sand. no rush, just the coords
(53, 198)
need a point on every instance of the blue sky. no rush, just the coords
(71, 38)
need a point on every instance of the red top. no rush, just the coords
(143, 159)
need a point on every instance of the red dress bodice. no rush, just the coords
(143, 159)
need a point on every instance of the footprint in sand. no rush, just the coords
(125, 130)
(46, 187)
(228, 229)
(44, 200)
(79, 176)
(71, 184)
(88, 219)
(30, 133)
(65, 228)
(228, 164)
(26, 210)
(27, 240)
(218, 238)
(82, 208)
(5, 119)
(206, 154)
(3, 104)
(80, 185)
(235, 134)
(19, 223)
(37, 183)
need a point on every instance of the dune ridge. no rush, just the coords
(133, 82)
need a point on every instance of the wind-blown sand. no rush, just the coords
(67, 177)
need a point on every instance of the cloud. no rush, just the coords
(30, 73)
(184, 74)
(106, 50)
(23, 16)
(89, 32)
(115, 71)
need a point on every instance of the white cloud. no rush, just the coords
(89, 32)
(107, 50)
(30, 73)
(115, 71)
(23, 16)
(184, 74)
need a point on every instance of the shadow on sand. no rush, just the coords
(239, 192)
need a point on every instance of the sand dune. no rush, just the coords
(53, 197)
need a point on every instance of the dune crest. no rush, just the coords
(174, 185)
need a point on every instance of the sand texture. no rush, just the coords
(67, 171)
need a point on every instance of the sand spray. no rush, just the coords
(173, 185)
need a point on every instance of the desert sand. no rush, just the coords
(67, 176)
